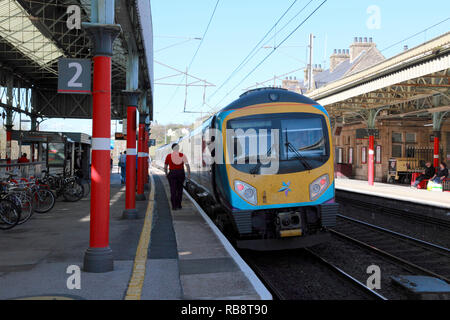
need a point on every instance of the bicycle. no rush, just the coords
(9, 214)
(70, 187)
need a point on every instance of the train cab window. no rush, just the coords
(300, 141)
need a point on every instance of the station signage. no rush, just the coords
(74, 76)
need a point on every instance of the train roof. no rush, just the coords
(267, 95)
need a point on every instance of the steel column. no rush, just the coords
(99, 258)
(130, 211)
(436, 154)
(371, 163)
(141, 160)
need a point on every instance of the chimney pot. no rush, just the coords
(405, 48)
(370, 40)
(335, 51)
(365, 39)
(356, 39)
(360, 39)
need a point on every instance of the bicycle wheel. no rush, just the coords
(73, 191)
(9, 214)
(25, 202)
(44, 200)
(87, 187)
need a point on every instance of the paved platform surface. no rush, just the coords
(397, 192)
(207, 270)
(184, 260)
(34, 257)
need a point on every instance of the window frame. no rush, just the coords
(363, 155)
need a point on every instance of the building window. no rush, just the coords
(350, 156)
(397, 150)
(340, 155)
(411, 138)
(397, 137)
(378, 154)
(364, 155)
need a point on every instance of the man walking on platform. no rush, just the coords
(176, 162)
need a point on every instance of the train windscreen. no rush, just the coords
(295, 141)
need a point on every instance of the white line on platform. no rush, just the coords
(262, 291)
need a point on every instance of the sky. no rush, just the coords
(238, 26)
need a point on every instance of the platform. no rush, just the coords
(183, 257)
(396, 192)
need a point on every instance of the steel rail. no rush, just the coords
(397, 234)
(397, 259)
(347, 276)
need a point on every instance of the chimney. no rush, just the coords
(359, 46)
(338, 57)
(317, 69)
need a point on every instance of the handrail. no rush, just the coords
(27, 164)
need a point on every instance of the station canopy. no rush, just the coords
(34, 35)
(411, 85)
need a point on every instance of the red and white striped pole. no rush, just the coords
(141, 160)
(147, 151)
(8, 144)
(99, 258)
(436, 157)
(130, 211)
(371, 164)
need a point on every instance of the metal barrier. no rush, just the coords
(22, 170)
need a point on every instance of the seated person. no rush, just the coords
(441, 174)
(427, 175)
(23, 159)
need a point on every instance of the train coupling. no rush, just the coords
(289, 224)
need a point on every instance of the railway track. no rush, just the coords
(305, 275)
(413, 254)
(389, 207)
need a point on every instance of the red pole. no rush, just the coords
(99, 257)
(147, 151)
(101, 135)
(436, 150)
(130, 198)
(8, 145)
(371, 166)
(141, 165)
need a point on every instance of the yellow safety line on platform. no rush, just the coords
(134, 291)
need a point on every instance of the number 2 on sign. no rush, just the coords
(79, 69)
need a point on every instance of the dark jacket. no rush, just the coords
(429, 172)
(442, 173)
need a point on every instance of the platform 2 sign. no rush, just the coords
(74, 76)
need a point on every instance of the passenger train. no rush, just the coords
(266, 174)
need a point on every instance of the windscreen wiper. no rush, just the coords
(299, 156)
(256, 168)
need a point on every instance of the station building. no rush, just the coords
(402, 102)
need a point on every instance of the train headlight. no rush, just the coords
(246, 192)
(318, 187)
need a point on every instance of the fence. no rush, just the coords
(22, 170)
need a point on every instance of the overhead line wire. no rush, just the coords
(274, 49)
(238, 68)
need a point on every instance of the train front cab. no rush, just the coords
(288, 210)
